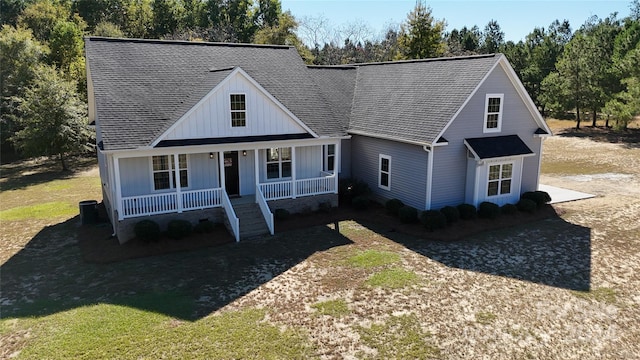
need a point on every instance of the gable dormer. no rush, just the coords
(237, 107)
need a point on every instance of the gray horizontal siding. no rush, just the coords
(449, 167)
(408, 169)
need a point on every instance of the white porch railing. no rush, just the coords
(276, 190)
(264, 208)
(303, 187)
(133, 206)
(234, 222)
(315, 186)
(201, 199)
(165, 203)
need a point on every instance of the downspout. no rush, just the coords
(429, 151)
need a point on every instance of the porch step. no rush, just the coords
(251, 221)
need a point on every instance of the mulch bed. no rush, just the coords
(97, 245)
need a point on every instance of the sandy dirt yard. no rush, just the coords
(567, 287)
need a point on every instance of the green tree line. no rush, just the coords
(593, 70)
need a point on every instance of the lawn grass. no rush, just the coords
(53, 209)
(335, 308)
(373, 258)
(111, 331)
(603, 294)
(393, 278)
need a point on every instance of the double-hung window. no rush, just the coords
(238, 110)
(164, 172)
(329, 158)
(500, 176)
(493, 112)
(384, 172)
(278, 163)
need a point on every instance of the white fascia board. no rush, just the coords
(211, 93)
(475, 155)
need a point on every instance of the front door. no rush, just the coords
(231, 175)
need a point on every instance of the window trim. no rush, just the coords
(172, 185)
(231, 111)
(498, 128)
(500, 180)
(279, 162)
(388, 172)
(326, 156)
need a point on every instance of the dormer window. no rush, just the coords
(238, 110)
(493, 113)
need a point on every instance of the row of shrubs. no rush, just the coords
(148, 230)
(437, 219)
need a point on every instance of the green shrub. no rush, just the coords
(508, 209)
(467, 211)
(178, 229)
(351, 188)
(281, 214)
(393, 206)
(488, 210)
(203, 227)
(147, 230)
(451, 213)
(527, 205)
(540, 197)
(433, 219)
(408, 214)
(360, 202)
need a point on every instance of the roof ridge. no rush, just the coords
(450, 58)
(341, 67)
(184, 42)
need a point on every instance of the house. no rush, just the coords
(231, 132)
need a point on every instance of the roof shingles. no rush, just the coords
(142, 87)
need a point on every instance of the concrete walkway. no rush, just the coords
(559, 195)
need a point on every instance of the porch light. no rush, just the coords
(210, 155)
(244, 152)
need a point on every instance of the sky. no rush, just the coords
(517, 18)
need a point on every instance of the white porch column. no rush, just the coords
(118, 202)
(293, 173)
(257, 165)
(176, 169)
(221, 165)
(336, 164)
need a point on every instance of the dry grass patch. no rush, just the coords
(335, 308)
(603, 294)
(400, 337)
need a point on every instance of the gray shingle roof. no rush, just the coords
(414, 100)
(142, 87)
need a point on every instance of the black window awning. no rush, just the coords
(497, 147)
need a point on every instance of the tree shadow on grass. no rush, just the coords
(25, 173)
(550, 252)
(49, 275)
(629, 138)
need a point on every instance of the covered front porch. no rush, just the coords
(177, 180)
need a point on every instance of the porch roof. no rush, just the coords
(497, 147)
(232, 140)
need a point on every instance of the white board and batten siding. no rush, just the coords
(308, 163)
(212, 117)
(408, 169)
(137, 179)
(450, 161)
